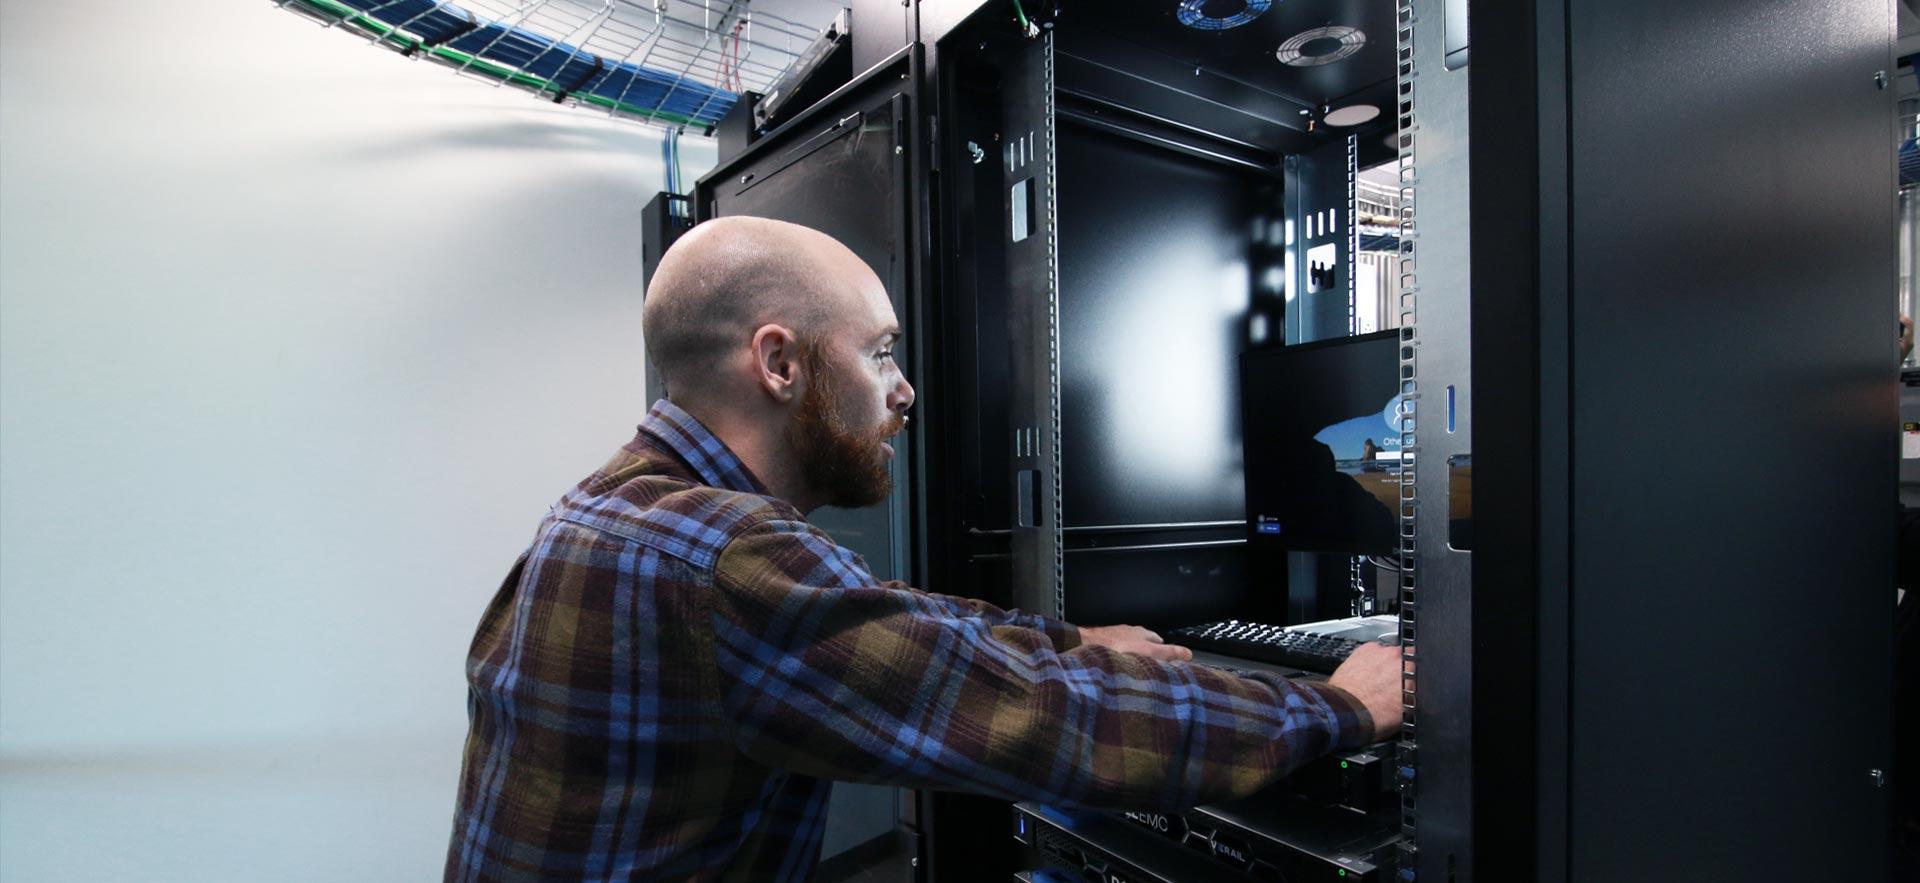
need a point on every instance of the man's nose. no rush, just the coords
(901, 398)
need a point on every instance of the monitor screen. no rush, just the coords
(1323, 444)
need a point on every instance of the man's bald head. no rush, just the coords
(728, 277)
(780, 342)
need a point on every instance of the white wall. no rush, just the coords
(297, 341)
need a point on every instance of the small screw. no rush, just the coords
(1880, 80)
(743, 178)
(1879, 778)
(899, 149)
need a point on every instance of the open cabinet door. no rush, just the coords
(844, 168)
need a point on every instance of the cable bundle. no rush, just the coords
(654, 63)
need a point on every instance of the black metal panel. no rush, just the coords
(973, 304)
(1733, 470)
(1549, 570)
(1319, 244)
(1155, 283)
(877, 84)
(940, 17)
(1091, 111)
(1518, 233)
(1164, 588)
(1235, 68)
(879, 29)
(1101, 68)
(736, 131)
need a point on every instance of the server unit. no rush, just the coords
(1640, 578)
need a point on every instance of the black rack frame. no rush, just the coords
(1578, 354)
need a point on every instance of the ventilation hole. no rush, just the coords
(1320, 46)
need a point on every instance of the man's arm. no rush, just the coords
(1065, 635)
(864, 683)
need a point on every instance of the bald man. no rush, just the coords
(672, 676)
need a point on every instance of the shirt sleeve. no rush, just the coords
(1065, 635)
(827, 674)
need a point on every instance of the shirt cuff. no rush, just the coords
(1352, 724)
(1066, 636)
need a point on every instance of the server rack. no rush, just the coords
(1594, 156)
(1556, 255)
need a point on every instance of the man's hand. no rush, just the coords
(1372, 675)
(1132, 639)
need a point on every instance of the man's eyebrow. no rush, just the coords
(888, 337)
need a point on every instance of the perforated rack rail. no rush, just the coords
(1409, 745)
(679, 64)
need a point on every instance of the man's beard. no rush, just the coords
(846, 467)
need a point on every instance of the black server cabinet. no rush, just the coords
(1109, 221)
(1646, 250)
(1681, 543)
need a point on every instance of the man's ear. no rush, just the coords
(776, 362)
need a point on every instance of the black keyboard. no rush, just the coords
(1267, 643)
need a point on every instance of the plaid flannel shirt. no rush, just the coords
(671, 676)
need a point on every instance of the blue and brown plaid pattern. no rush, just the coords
(673, 673)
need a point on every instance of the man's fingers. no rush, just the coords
(1172, 652)
(1133, 639)
(1372, 674)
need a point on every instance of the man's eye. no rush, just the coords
(883, 355)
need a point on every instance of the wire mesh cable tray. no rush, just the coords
(680, 64)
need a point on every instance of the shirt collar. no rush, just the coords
(688, 438)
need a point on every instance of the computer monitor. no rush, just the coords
(1322, 444)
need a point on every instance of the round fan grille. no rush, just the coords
(1320, 46)
(1193, 14)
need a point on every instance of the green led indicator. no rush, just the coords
(1343, 765)
(1343, 872)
